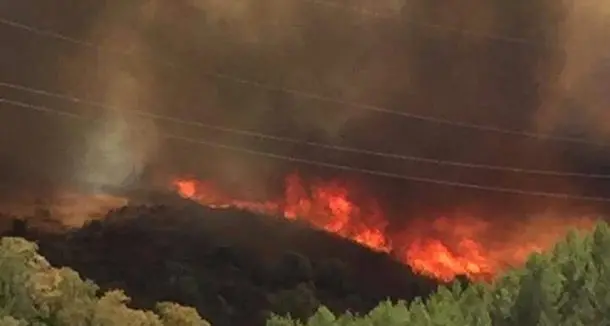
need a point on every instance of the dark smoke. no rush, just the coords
(358, 57)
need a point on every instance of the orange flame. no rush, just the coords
(444, 248)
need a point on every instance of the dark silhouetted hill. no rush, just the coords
(233, 266)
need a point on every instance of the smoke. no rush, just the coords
(68, 163)
(581, 102)
(406, 56)
(505, 72)
(117, 149)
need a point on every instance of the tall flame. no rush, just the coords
(443, 248)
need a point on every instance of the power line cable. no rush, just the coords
(249, 133)
(440, 182)
(322, 98)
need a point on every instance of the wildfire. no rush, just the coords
(443, 248)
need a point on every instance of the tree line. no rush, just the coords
(567, 286)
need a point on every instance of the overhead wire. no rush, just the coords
(319, 97)
(339, 148)
(323, 164)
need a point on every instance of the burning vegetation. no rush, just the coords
(443, 247)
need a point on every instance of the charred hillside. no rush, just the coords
(234, 266)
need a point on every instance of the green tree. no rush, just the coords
(36, 294)
(299, 302)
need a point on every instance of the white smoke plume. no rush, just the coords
(117, 148)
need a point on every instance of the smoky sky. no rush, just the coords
(524, 65)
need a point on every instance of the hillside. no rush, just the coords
(565, 287)
(233, 266)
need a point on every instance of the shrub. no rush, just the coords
(293, 269)
(299, 302)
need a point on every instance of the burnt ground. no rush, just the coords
(233, 266)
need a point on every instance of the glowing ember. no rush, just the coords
(442, 249)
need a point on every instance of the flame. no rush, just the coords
(443, 248)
